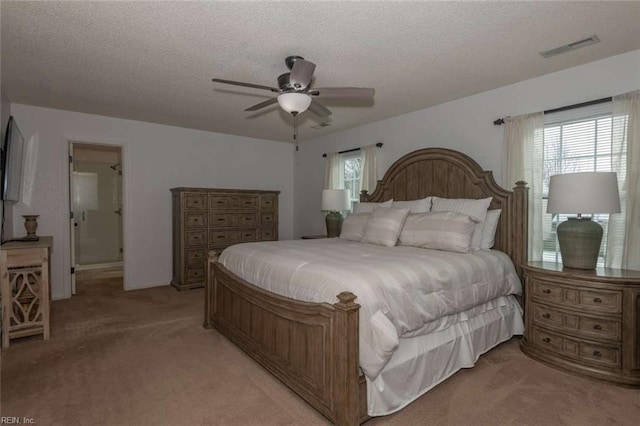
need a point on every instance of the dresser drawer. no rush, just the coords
(247, 235)
(195, 201)
(581, 325)
(267, 202)
(605, 301)
(195, 220)
(218, 237)
(196, 257)
(195, 274)
(267, 218)
(269, 234)
(195, 238)
(234, 201)
(233, 219)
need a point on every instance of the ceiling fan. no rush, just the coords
(295, 94)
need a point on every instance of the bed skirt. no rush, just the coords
(420, 363)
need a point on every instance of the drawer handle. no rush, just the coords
(597, 327)
(220, 219)
(248, 235)
(246, 203)
(597, 354)
(546, 340)
(546, 291)
(219, 202)
(546, 316)
(220, 236)
(196, 238)
(597, 300)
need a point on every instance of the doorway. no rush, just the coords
(95, 179)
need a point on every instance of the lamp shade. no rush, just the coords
(335, 200)
(585, 192)
(294, 102)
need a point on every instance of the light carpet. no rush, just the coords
(143, 358)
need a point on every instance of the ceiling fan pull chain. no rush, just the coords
(295, 129)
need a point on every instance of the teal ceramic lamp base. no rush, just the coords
(579, 240)
(334, 224)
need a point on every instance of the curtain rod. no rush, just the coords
(379, 145)
(500, 121)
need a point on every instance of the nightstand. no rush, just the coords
(25, 288)
(313, 237)
(584, 321)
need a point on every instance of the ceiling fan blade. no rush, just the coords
(240, 83)
(344, 92)
(302, 73)
(262, 104)
(318, 109)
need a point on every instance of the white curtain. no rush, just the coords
(332, 171)
(524, 156)
(623, 234)
(368, 168)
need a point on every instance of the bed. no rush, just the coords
(313, 347)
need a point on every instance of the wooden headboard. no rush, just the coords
(446, 173)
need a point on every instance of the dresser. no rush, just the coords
(586, 322)
(25, 288)
(212, 219)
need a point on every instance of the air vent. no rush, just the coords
(571, 46)
(321, 125)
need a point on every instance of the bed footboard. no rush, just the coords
(311, 347)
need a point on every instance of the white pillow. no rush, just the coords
(489, 230)
(416, 206)
(368, 207)
(449, 231)
(384, 226)
(353, 226)
(477, 209)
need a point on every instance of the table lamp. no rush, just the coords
(578, 193)
(334, 201)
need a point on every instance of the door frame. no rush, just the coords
(69, 276)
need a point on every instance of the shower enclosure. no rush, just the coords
(96, 205)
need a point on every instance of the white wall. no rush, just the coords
(465, 125)
(156, 158)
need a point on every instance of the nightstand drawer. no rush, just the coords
(581, 325)
(609, 301)
(547, 291)
(574, 348)
(604, 300)
(600, 354)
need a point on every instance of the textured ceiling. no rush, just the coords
(153, 61)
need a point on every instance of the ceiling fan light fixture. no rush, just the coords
(294, 102)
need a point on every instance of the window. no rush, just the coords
(350, 172)
(580, 141)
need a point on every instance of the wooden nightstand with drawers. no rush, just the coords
(584, 321)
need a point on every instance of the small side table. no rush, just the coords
(313, 237)
(25, 288)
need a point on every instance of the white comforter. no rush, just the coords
(402, 291)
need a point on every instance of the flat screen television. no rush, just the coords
(11, 162)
